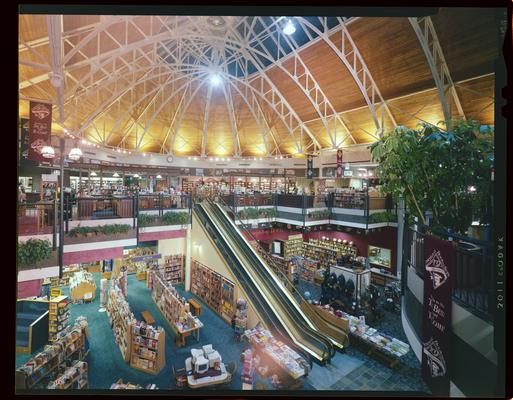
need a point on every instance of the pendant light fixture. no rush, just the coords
(48, 152)
(289, 28)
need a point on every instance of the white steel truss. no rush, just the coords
(425, 31)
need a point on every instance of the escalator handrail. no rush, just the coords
(262, 306)
(274, 267)
(312, 331)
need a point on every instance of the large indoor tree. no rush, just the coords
(445, 172)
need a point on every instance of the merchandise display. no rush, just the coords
(148, 348)
(140, 260)
(173, 268)
(208, 286)
(70, 346)
(58, 316)
(119, 385)
(120, 319)
(293, 246)
(74, 377)
(286, 358)
(82, 286)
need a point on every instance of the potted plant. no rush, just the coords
(33, 251)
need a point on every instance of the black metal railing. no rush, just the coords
(472, 269)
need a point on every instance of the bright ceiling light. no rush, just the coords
(136, 176)
(48, 152)
(289, 28)
(116, 175)
(159, 176)
(215, 80)
(93, 173)
(75, 154)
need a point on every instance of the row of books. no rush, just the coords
(74, 377)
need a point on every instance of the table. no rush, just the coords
(183, 333)
(207, 380)
(148, 318)
(195, 307)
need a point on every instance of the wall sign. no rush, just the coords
(309, 167)
(40, 126)
(438, 256)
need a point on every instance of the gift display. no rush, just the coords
(289, 360)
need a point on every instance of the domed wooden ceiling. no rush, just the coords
(239, 86)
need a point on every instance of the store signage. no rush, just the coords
(40, 127)
(146, 258)
(339, 163)
(309, 167)
(25, 140)
(348, 172)
(438, 256)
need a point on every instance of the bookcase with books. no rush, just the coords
(44, 366)
(120, 319)
(293, 246)
(58, 316)
(338, 245)
(168, 300)
(214, 289)
(173, 268)
(148, 348)
(74, 377)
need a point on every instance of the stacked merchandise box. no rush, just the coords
(74, 377)
(58, 316)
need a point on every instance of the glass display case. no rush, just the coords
(380, 256)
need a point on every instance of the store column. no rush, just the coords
(188, 241)
(400, 236)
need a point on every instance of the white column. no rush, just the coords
(188, 244)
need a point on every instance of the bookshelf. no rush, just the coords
(339, 246)
(45, 365)
(140, 260)
(293, 246)
(58, 316)
(172, 269)
(74, 377)
(120, 319)
(213, 289)
(148, 348)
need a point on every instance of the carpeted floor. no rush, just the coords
(351, 370)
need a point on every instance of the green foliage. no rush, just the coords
(433, 169)
(113, 229)
(175, 218)
(33, 251)
(385, 216)
(269, 212)
(146, 219)
(249, 213)
(317, 215)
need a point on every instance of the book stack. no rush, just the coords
(58, 316)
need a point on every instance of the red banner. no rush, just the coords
(438, 256)
(339, 163)
(40, 129)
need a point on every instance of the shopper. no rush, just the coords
(22, 196)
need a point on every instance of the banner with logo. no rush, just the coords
(309, 167)
(438, 256)
(40, 129)
(339, 163)
(25, 139)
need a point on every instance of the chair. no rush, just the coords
(180, 377)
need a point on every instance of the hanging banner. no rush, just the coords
(309, 167)
(25, 140)
(339, 163)
(40, 129)
(438, 256)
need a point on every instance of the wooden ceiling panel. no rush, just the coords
(75, 22)
(392, 54)
(477, 97)
(32, 27)
(411, 110)
(469, 40)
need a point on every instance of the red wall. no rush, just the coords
(386, 238)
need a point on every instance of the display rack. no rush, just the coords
(140, 260)
(293, 246)
(148, 348)
(120, 319)
(82, 287)
(41, 367)
(74, 377)
(207, 285)
(172, 269)
(58, 316)
(67, 273)
(337, 246)
(306, 267)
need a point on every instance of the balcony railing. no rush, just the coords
(472, 270)
(37, 218)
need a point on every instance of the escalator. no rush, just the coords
(268, 299)
(338, 337)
